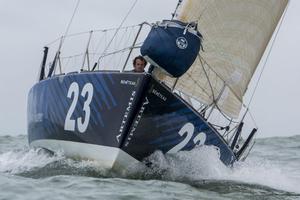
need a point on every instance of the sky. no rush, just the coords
(26, 26)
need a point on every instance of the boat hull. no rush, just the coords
(108, 157)
(115, 118)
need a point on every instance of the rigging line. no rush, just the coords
(54, 41)
(251, 116)
(196, 83)
(71, 20)
(230, 131)
(210, 85)
(63, 38)
(111, 29)
(130, 10)
(101, 39)
(107, 54)
(86, 32)
(121, 42)
(224, 115)
(68, 36)
(125, 41)
(72, 56)
(268, 55)
(220, 77)
(224, 82)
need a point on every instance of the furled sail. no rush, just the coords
(235, 36)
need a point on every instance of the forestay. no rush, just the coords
(235, 36)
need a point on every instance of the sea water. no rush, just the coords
(272, 171)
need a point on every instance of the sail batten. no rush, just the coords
(235, 36)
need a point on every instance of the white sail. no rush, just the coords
(235, 36)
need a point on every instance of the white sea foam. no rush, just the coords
(19, 161)
(27, 160)
(265, 172)
(203, 164)
(200, 163)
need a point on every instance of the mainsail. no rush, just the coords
(235, 36)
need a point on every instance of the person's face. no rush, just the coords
(139, 65)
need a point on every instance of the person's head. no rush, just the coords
(139, 64)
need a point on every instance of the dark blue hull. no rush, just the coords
(123, 112)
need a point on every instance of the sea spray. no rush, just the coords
(261, 174)
(203, 164)
(18, 161)
(200, 163)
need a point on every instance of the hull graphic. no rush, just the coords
(116, 118)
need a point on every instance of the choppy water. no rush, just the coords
(272, 171)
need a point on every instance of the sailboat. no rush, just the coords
(201, 63)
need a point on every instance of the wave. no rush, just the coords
(200, 167)
(40, 163)
(204, 164)
(18, 161)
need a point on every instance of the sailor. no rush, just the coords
(139, 64)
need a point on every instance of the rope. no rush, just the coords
(57, 57)
(251, 116)
(220, 77)
(107, 54)
(128, 13)
(207, 77)
(71, 20)
(54, 41)
(87, 32)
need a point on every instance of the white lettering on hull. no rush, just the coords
(159, 95)
(126, 115)
(136, 121)
(128, 82)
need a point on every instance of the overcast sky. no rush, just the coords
(26, 26)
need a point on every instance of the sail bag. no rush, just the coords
(172, 46)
